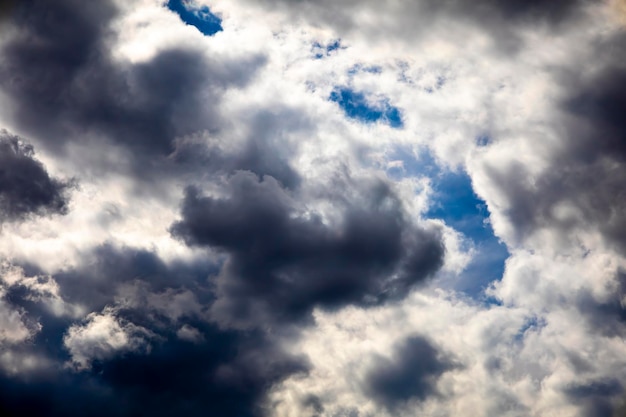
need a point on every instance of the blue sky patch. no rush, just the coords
(322, 51)
(455, 202)
(483, 140)
(439, 83)
(531, 324)
(198, 16)
(357, 106)
(372, 69)
(458, 206)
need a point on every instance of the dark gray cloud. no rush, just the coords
(64, 85)
(6, 9)
(410, 374)
(606, 316)
(26, 188)
(552, 11)
(105, 271)
(595, 397)
(222, 372)
(582, 191)
(263, 150)
(64, 88)
(281, 263)
(226, 375)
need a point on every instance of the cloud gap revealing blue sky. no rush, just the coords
(198, 16)
(439, 83)
(372, 69)
(455, 202)
(320, 50)
(358, 106)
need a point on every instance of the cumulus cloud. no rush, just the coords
(102, 337)
(14, 329)
(578, 189)
(189, 334)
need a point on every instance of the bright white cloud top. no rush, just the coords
(313, 208)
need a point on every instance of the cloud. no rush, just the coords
(39, 289)
(189, 334)
(14, 330)
(227, 375)
(411, 373)
(26, 188)
(596, 396)
(117, 356)
(67, 86)
(418, 21)
(283, 260)
(258, 151)
(102, 337)
(277, 219)
(134, 277)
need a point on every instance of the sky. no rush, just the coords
(313, 208)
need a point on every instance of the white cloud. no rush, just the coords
(190, 334)
(103, 336)
(12, 327)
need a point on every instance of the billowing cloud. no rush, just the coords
(13, 328)
(26, 188)
(579, 187)
(101, 337)
(283, 259)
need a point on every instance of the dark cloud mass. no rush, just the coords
(411, 374)
(225, 375)
(59, 73)
(107, 268)
(64, 87)
(283, 262)
(595, 397)
(25, 186)
(262, 151)
(218, 373)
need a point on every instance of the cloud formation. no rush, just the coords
(312, 208)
